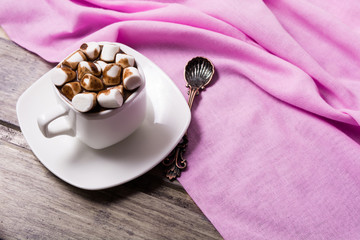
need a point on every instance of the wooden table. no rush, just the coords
(34, 204)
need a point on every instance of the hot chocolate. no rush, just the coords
(97, 77)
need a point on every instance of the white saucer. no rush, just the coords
(168, 117)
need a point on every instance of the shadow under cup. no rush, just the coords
(99, 129)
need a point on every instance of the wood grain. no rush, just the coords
(35, 204)
(19, 69)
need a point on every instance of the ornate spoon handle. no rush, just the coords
(198, 73)
(175, 161)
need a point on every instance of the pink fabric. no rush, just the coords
(274, 140)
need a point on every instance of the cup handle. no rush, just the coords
(46, 118)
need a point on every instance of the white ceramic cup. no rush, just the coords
(100, 129)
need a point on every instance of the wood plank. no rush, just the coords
(36, 204)
(11, 134)
(19, 69)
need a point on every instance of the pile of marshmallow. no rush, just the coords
(96, 75)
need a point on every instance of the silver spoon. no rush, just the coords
(198, 73)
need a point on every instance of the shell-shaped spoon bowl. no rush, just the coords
(199, 72)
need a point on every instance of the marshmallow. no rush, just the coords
(88, 67)
(102, 64)
(126, 93)
(110, 98)
(120, 88)
(124, 60)
(84, 102)
(91, 83)
(61, 75)
(112, 74)
(74, 59)
(70, 89)
(131, 78)
(91, 50)
(108, 52)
